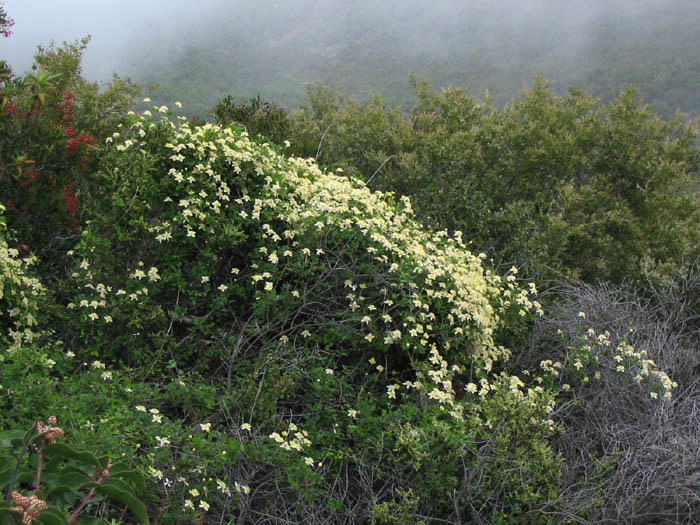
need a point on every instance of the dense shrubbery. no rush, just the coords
(555, 185)
(329, 321)
(258, 117)
(272, 342)
(51, 122)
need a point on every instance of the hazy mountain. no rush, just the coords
(366, 47)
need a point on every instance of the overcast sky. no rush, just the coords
(113, 24)
(205, 49)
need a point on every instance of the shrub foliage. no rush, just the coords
(556, 185)
(329, 320)
(272, 341)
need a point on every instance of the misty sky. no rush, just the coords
(201, 50)
(113, 25)
(116, 26)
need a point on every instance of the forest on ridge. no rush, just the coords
(364, 49)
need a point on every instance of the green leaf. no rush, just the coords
(116, 489)
(31, 434)
(70, 482)
(6, 519)
(52, 464)
(16, 439)
(61, 449)
(23, 476)
(87, 470)
(91, 520)
(122, 471)
(119, 484)
(52, 516)
(5, 477)
(119, 467)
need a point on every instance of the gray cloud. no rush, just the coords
(115, 28)
(274, 47)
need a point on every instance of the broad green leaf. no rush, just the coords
(70, 482)
(119, 467)
(79, 454)
(91, 520)
(14, 440)
(114, 489)
(87, 470)
(119, 484)
(23, 476)
(6, 519)
(52, 516)
(5, 477)
(52, 464)
(133, 476)
(30, 435)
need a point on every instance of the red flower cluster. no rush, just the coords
(51, 191)
(29, 177)
(28, 507)
(22, 210)
(71, 202)
(85, 139)
(66, 108)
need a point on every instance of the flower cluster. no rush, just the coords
(18, 293)
(29, 507)
(596, 354)
(98, 300)
(292, 439)
(49, 432)
(324, 202)
(448, 273)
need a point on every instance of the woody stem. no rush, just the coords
(82, 505)
(39, 464)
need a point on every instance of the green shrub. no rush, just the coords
(350, 351)
(260, 118)
(20, 292)
(52, 121)
(55, 477)
(559, 186)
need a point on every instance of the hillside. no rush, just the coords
(362, 48)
